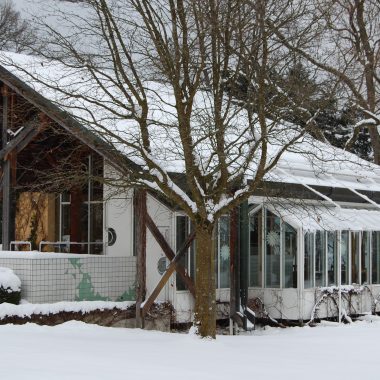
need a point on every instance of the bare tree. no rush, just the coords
(342, 39)
(15, 33)
(161, 82)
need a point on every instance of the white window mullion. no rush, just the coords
(217, 254)
(313, 261)
(339, 258)
(348, 275)
(282, 256)
(189, 250)
(369, 275)
(360, 237)
(264, 248)
(326, 258)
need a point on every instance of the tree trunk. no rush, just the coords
(205, 305)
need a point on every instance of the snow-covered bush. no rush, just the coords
(10, 286)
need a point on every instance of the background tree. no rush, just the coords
(335, 120)
(342, 39)
(15, 33)
(157, 80)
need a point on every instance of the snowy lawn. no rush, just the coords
(75, 350)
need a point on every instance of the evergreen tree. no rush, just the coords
(335, 122)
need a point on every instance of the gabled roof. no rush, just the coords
(308, 161)
(59, 115)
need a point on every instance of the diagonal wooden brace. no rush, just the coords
(20, 141)
(169, 271)
(169, 253)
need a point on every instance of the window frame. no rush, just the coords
(88, 203)
(282, 244)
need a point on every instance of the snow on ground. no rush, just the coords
(28, 309)
(75, 350)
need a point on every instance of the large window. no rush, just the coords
(355, 257)
(289, 263)
(272, 250)
(274, 241)
(65, 217)
(88, 228)
(182, 232)
(359, 251)
(365, 256)
(223, 252)
(332, 258)
(320, 258)
(273, 254)
(344, 254)
(255, 249)
(92, 215)
(375, 257)
(309, 259)
(360, 258)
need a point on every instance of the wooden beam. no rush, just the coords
(169, 253)
(169, 271)
(6, 211)
(6, 214)
(4, 118)
(13, 163)
(140, 212)
(20, 141)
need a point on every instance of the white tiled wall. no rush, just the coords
(47, 280)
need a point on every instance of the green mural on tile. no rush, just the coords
(128, 295)
(75, 263)
(86, 290)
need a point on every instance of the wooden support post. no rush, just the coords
(4, 118)
(169, 253)
(6, 211)
(13, 164)
(139, 208)
(169, 271)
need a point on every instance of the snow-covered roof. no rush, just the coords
(307, 162)
(324, 217)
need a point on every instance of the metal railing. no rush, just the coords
(64, 246)
(16, 243)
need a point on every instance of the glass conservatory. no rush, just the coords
(295, 250)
